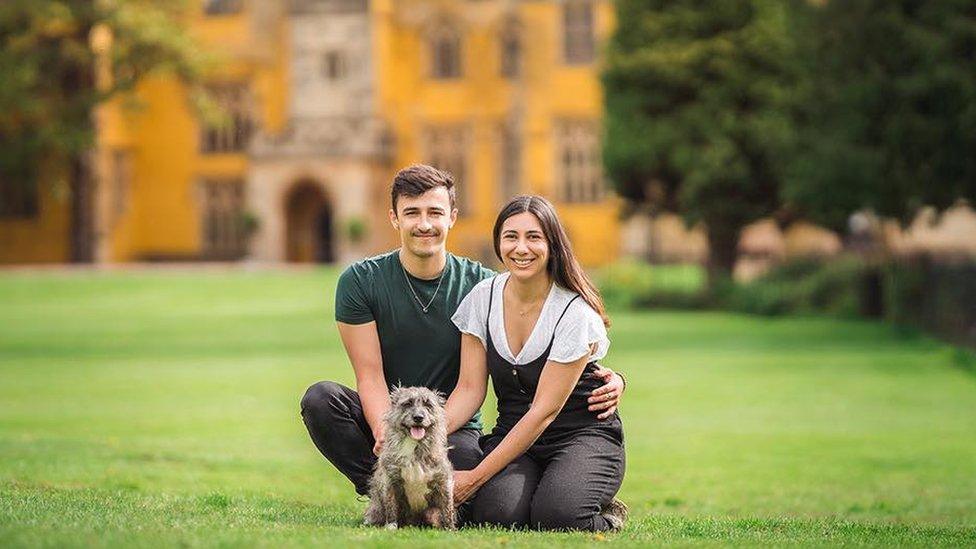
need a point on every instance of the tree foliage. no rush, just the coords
(697, 111)
(887, 117)
(48, 62)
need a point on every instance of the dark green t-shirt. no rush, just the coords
(418, 349)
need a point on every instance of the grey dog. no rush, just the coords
(413, 483)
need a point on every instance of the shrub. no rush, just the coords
(356, 229)
(636, 284)
(938, 297)
(801, 287)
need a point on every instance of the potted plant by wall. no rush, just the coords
(355, 229)
(249, 225)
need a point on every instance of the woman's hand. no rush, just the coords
(606, 399)
(466, 483)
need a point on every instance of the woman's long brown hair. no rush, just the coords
(562, 267)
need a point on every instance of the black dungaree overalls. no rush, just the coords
(571, 472)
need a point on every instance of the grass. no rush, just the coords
(161, 408)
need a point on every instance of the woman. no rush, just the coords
(538, 330)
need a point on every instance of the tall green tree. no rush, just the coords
(49, 53)
(697, 117)
(887, 115)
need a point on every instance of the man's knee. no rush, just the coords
(464, 452)
(321, 398)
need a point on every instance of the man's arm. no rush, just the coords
(362, 343)
(604, 400)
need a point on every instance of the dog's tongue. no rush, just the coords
(417, 433)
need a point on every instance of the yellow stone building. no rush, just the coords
(327, 99)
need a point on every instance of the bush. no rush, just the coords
(802, 287)
(918, 293)
(939, 297)
(905, 292)
(633, 284)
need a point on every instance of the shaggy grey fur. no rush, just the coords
(413, 483)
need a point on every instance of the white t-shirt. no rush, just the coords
(579, 328)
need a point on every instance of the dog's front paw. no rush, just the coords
(391, 526)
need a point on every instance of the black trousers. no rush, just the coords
(559, 485)
(334, 417)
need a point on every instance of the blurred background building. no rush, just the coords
(325, 101)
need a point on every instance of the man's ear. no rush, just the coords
(454, 216)
(393, 219)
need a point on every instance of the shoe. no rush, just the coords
(616, 513)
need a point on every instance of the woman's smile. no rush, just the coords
(522, 262)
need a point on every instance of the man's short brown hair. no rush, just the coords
(417, 179)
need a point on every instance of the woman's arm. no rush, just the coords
(472, 386)
(556, 383)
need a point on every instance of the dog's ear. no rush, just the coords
(440, 398)
(395, 392)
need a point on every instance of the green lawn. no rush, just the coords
(152, 408)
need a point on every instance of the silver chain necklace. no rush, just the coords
(423, 307)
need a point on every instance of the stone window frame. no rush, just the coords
(327, 6)
(578, 31)
(447, 146)
(445, 52)
(222, 209)
(511, 49)
(335, 65)
(121, 182)
(213, 8)
(233, 134)
(19, 199)
(510, 160)
(578, 161)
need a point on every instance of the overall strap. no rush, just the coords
(491, 298)
(575, 297)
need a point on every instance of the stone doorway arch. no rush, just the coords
(309, 231)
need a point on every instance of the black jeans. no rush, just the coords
(334, 417)
(554, 485)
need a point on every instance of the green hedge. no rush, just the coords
(632, 284)
(937, 297)
(801, 287)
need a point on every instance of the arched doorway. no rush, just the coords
(308, 215)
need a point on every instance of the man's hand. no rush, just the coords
(466, 483)
(606, 399)
(380, 437)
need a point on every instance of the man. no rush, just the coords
(394, 317)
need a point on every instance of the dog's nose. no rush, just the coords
(418, 418)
